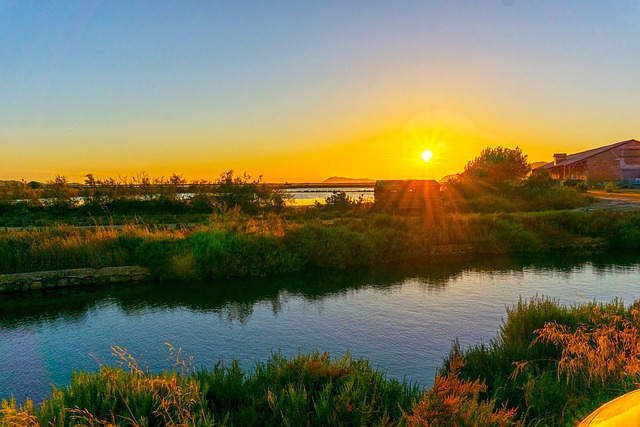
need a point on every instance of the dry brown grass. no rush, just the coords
(453, 402)
(17, 416)
(606, 347)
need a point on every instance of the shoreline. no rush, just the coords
(23, 282)
(75, 277)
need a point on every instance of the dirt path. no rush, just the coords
(623, 201)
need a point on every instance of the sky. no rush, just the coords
(299, 91)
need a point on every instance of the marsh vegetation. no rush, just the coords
(234, 244)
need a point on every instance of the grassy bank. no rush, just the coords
(307, 390)
(550, 365)
(235, 245)
(556, 364)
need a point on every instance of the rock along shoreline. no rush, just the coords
(21, 282)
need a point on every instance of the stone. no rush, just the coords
(71, 277)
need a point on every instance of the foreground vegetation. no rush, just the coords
(550, 365)
(555, 364)
(306, 390)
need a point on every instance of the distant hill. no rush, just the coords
(10, 182)
(537, 164)
(343, 180)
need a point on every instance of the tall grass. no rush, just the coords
(63, 247)
(311, 389)
(307, 390)
(237, 245)
(555, 364)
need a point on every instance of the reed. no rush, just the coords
(310, 389)
(234, 244)
(555, 364)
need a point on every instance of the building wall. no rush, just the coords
(575, 172)
(605, 167)
(630, 161)
(612, 166)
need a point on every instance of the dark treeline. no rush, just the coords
(141, 194)
(107, 201)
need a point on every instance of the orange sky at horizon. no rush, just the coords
(395, 154)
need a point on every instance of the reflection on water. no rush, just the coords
(404, 319)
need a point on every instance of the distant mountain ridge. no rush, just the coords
(343, 180)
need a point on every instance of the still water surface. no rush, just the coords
(310, 195)
(404, 320)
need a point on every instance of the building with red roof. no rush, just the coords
(619, 162)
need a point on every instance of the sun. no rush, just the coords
(426, 155)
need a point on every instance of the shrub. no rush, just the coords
(250, 196)
(339, 201)
(456, 402)
(582, 187)
(611, 187)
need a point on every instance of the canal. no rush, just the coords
(403, 319)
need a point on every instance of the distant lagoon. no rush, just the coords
(302, 196)
(310, 195)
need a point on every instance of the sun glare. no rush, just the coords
(426, 155)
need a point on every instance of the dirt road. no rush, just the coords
(622, 201)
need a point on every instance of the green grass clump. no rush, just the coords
(310, 389)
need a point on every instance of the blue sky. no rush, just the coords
(300, 91)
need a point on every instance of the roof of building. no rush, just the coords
(578, 157)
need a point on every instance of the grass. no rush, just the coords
(310, 389)
(555, 364)
(236, 245)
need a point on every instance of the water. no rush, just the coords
(404, 319)
(302, 196)
(310, 195)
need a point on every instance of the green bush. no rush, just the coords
(611, 187)
(522, 371)
(582, 187)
